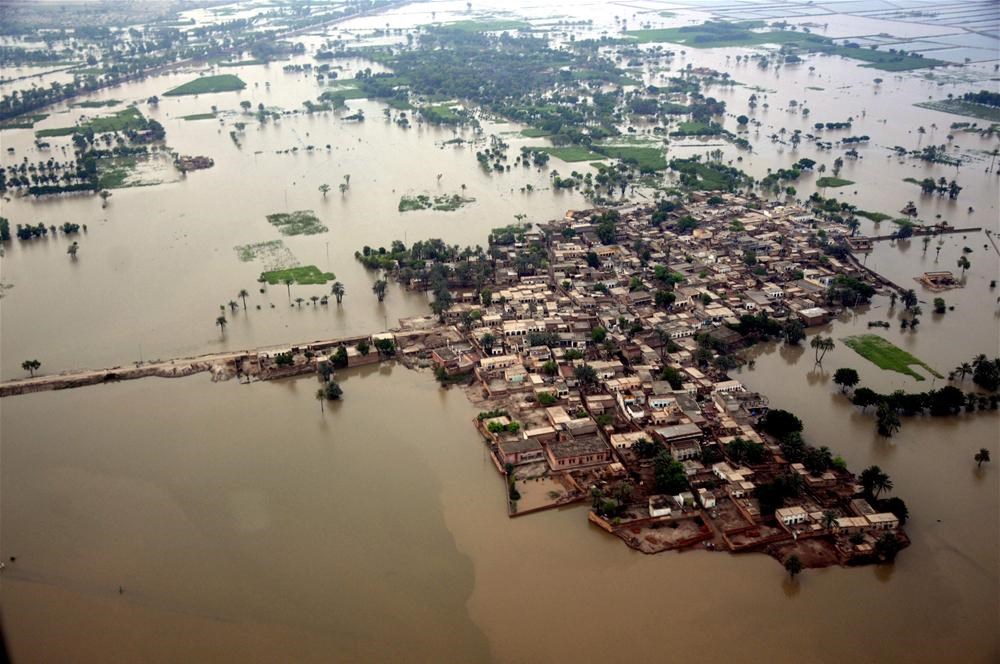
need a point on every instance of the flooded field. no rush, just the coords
(172, 520)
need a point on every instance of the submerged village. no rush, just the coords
(597, 348)
(598, 353)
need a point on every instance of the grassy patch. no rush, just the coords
(23, 122)
(646, 159)
(300, 222)
(123, 120)
(962, 107)
(694, 128)
(874, 216)
(208, 84)
(199, 116)
(97, 103)
(715, 34)
(535, 133)
(829, 181)
(572, 153)
(304, 275)
(886, 355)
(113, 172)
(443, 203)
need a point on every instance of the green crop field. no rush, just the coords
(646, 159)
(572, 154)
(123, 120)
(208, 84)
(300, 222)
(886, 355)
(305, 275)
(833, 182)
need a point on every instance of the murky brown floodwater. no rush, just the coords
(245, 525)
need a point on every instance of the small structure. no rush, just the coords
(659, 506)
(939, 281)
(814, 316)
(790, 516)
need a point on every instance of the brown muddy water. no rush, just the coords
(243, 524)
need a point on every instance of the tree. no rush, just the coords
(909, 298)
(669, 475)
(31, 366)
(598, 335)
(829, 519)
(964, 263)
(379, 289)
(105, 195)
(487, 341)
(324, 189)
(385, 347)
(288, 285)
(586, 375)
(321, 397)
(846, 378)
(887, 420)
(222, 322)
(794, 331)
(299, 301)
(243, 295)
(875, 481)
(887, 546)
(338, 291)
(821, 344)
(865, 397)
(333, 391)
(793, 565)
(73, 248)
(780, 423)
(981, 457)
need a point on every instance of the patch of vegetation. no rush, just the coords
(696, 128)
(274, 253)
(208, 84)
(962, 107)
(646, 159)
(709, 176)
(534, 133)
(305, 275)
(829, 181)
(23, 122)
(300, 222)
(442, 203)
(124, 120)
(113, 172)
(886, 355)
(715, 34)
(572, 153)
(874, 216)
(96, 103)
(199, 116)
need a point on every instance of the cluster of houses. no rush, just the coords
(647, 316)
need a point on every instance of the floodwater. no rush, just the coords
(243, 524)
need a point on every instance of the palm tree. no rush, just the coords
(875, 481)
(964, 368)
(964, 263)
(233, 306)
(829, 519)
(222, 322)
(379, 289)
(909, 298)
(324, 189)
(288, 285)
(31, 366)
(982, 456)
(887, 420)
(314, 298)
(243, 294)
(338, 291)
(105, 195)
(299, 301)
(821, 344)
(321, 397)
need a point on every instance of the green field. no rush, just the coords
(646, 159)
(305, 275)
(199, 116)
(886, 355)
(535, 133)
(123, 120)
(23, 122)
(721, 34)
(572, 153)
(829, 181)
(97, 103)
(208, 84)
(964, 108)
(112, 172)
(874, 216)
(300, 222)
(442, 203)
(694, 128)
